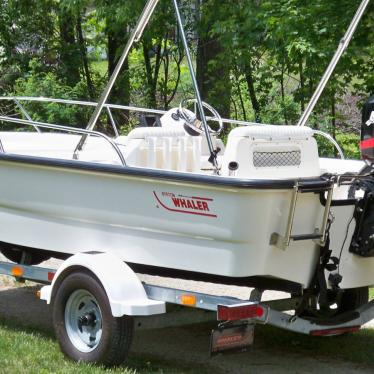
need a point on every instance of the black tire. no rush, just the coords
(347, 302)
(354, 298)
(116, 335)
(14, 254)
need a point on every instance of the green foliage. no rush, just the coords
(348, 142)
(47, 84)
(279, 108)
(256, 60)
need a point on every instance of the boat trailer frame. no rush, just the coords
(208, 307)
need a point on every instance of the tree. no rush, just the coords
(212, 61)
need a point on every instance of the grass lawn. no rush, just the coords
(24, 351)
(371, 294)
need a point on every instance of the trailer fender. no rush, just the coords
(125, 291)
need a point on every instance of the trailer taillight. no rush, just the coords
(335, 331)
(239, 312)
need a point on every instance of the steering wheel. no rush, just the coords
(193, 125)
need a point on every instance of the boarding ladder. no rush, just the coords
(320, 234)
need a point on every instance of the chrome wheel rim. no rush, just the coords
(83, 321)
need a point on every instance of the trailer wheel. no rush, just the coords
(84, 325)
(347, 301)
(354, 298)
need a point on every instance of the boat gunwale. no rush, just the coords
(315, 183)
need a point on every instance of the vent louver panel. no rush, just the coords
(276, 159)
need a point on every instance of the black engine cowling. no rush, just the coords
(367, 131)
(362, 243)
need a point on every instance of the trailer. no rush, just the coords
(98, 302)
(263, 210)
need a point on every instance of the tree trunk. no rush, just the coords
(152, 70)
(69, 52)
(239, 89)
(251, 90)
(83, 50)
(302, 84)
(213, 65)
(121, 91)
(283, 93)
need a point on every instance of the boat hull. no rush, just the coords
(167, 223)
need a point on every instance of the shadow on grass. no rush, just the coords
(22, 313)
(355, 347)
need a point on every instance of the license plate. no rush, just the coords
(231, 339)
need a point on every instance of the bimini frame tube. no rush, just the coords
(338, 54)
(195, 85)
(135, 36)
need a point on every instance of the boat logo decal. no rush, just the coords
(200, 206)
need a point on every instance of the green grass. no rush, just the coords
(24, 351)
(371, 294)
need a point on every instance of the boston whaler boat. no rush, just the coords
(263, 210)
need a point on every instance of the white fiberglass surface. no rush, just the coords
(170, 149)
(338, 166)
(198, 228)
(60, 146)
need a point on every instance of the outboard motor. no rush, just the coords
(363, 238)
(367, 132)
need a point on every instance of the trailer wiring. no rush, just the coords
(344, 241)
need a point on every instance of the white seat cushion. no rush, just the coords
(272, 152)
(272, 132)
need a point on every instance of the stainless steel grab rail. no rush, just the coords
(17, 100)
(146, 110)
(66, 129)
(120, 107)
(25, 113)
(331, 140)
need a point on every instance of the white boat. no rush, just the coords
(262, 210)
